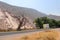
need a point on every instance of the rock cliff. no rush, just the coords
(9, 21)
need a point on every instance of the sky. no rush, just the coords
(45, 6)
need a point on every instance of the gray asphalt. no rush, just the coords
(18, 32)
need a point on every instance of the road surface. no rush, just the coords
(18, 32)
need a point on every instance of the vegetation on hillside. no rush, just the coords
(45, 20)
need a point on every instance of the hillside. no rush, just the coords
(54, 17)
(17, 12)
(31, 13)
(9, 22)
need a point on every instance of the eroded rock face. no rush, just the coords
(7, 21)
(26, 23)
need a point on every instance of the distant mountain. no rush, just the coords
(54, 17)
(28, 12)
(31, 13)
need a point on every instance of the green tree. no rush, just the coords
(51, 23)
(44, 20)
(58, 24)
(39, 23)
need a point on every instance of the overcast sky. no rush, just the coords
(45, 6)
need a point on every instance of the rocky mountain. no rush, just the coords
(28, 12)
(9, 21)
(13, 17)
(54, 17)
(31, 13)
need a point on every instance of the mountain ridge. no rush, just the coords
(21, 10)
(29, 12)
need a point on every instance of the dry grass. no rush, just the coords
(46, 35)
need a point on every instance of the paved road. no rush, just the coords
(18, 32)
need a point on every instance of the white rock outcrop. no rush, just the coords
(7, 21)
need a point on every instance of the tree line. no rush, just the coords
(45, 20)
